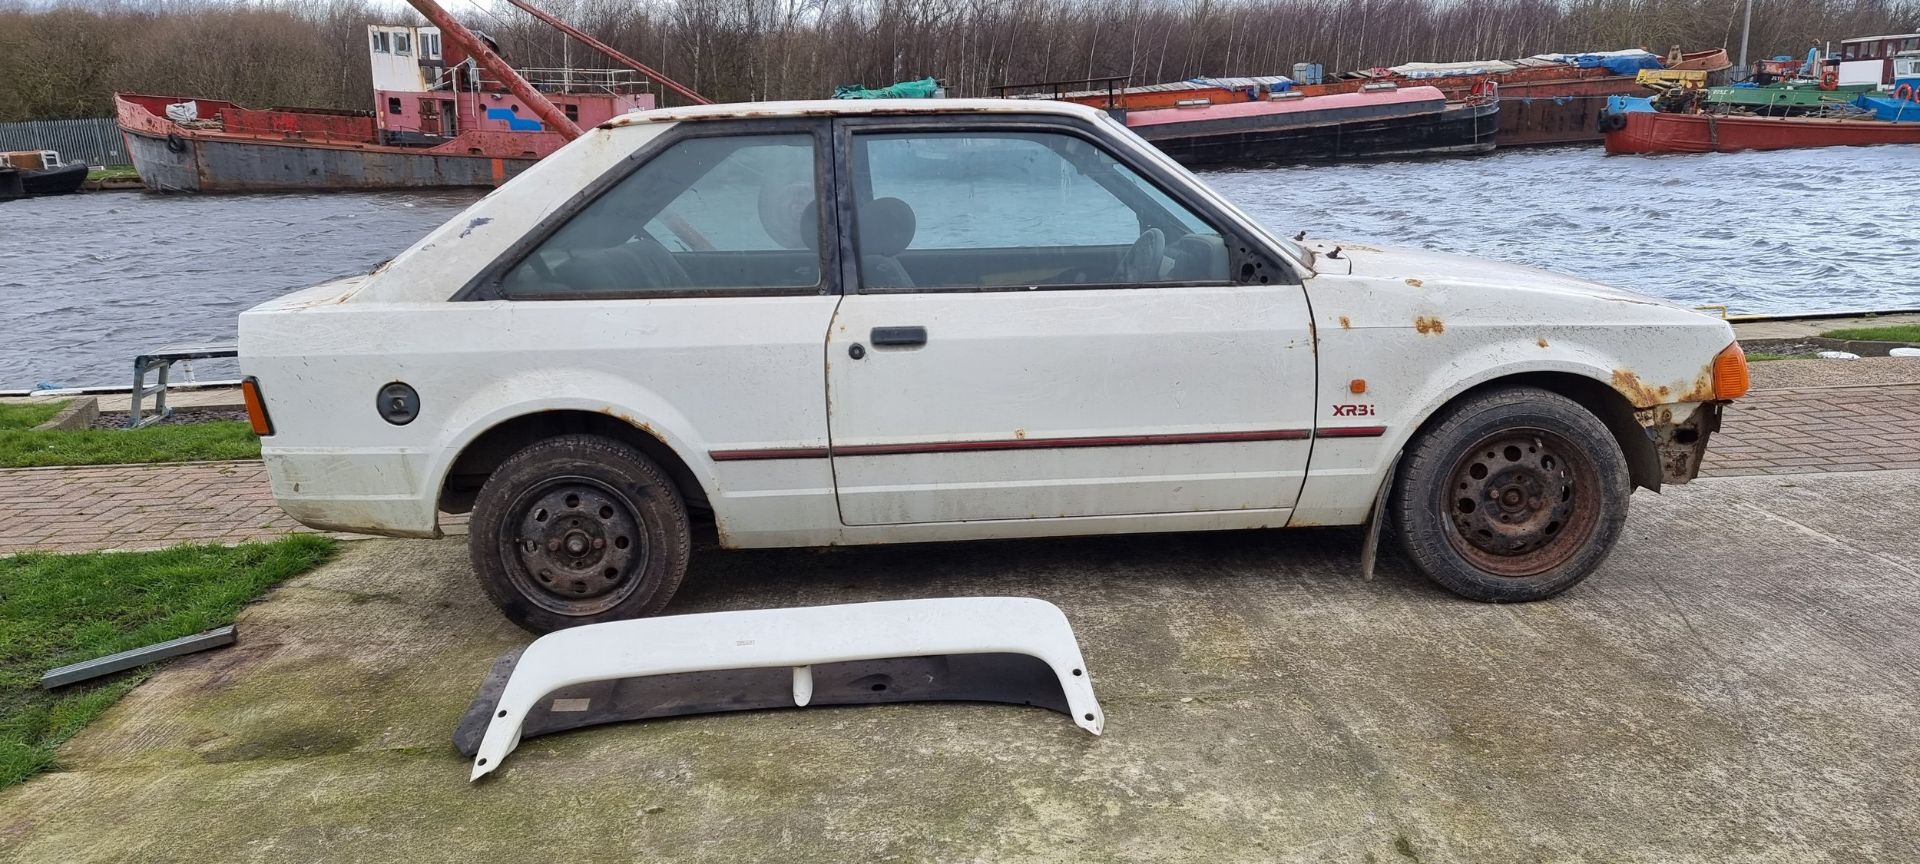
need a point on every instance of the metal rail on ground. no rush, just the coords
(88, 670)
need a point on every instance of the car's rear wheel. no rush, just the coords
(1511, 495)
(578, 529)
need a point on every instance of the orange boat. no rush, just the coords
(1541, 101)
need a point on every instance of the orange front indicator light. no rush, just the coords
(256, 407)
(1730, 373)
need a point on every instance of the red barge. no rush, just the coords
(1658, 132)
(1865, 97)
(1542, 100)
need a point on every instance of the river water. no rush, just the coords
(88, 281)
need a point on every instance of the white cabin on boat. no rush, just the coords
(427, 90)
(1870, 59)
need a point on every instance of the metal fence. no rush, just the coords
(96, 141)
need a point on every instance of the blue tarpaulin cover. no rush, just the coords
(1618, 64)
(924, 88)
(1625, 62)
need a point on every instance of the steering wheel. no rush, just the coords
(1143, 259)
(688, 234)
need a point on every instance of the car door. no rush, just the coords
(688, 290)
(1038, 325)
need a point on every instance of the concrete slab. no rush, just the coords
(199, 397)
(1801, 328)
(1804, 374)
(202, 397)
(1739, 684)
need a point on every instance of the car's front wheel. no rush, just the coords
(578, 529)
(1511, 495)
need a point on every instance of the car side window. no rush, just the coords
(1013, 209)
(729, 213)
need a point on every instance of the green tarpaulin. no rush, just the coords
(924, 88)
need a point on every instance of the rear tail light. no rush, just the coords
(1730, 373)
(256, 407)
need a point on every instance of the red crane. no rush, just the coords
(495, 65)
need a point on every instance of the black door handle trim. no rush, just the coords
(898, 336)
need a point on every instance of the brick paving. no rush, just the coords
(1802, 431)
(1782, 431)
(137, 506)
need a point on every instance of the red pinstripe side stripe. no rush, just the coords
(768, 453)
(1010, 444)
(1045, 443)
(1064, 443)
(1349, 431)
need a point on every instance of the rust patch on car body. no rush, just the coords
(1543, 341)
(1638, 392)
(1644, 395)
(1702, 389)
(630, 420)
(747, 112)
(1416, 283)
(1681, 447)
(1428, 325)
(1345, 324)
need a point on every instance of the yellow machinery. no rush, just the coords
(1668, 79)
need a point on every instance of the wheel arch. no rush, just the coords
(478, 459)
(1600, 399)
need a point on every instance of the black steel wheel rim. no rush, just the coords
(574, 545)
(1521, 502)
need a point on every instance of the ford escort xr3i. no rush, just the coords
(821, 323)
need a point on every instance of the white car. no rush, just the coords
(823, 323)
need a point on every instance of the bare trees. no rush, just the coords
(64, 60)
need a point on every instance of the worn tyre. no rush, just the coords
(1511, 495)
(578, 529)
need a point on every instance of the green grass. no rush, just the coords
(1757, 356)
(23, 447)
(28, 415)
(1886, 333)
(60, 609)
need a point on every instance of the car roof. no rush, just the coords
(852, 108)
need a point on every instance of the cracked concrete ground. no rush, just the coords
(1740, 683)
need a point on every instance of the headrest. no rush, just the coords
(886, 227)
(782, 218)
(810, 226)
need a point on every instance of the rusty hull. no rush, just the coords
(213, 164)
